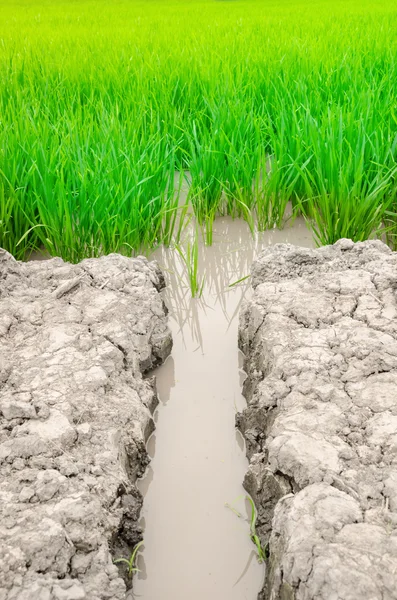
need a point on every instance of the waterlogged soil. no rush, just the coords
(195, 546)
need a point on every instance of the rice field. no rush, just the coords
(259, 104)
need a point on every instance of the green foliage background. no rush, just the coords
(102, 101)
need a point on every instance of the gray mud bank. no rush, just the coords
(75, 413)
(320, 340)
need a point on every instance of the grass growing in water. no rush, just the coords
(262, 553)
(101, 103)
(190, 259)
(130, 561)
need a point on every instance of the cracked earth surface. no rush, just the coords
(320, 340)
(75, 413)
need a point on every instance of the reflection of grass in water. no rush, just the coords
(134, 92)
(220, 267)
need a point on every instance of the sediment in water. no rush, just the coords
(75, 414)
(320, 340)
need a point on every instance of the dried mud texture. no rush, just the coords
(75, 413)
(320, 340)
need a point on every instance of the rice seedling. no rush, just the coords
(190, 260)
(239, 281)
(262, 553)
(130, 562)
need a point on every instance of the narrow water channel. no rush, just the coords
(195, 547)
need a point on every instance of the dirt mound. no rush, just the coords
(320, 340)
(75, 413)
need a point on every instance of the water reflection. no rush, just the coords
(195, 548)
(227, 261)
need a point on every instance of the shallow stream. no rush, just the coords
(196, 548)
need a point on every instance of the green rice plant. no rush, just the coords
(130, 561)
(175, 217)
(12, 222)
(205, 193)
(190, 260)
(239, 281)
(261, 552)
(91, 138)
(390, 231)
(356, 217)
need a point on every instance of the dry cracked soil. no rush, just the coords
(320, 342)
(319, 335)
(76, 412)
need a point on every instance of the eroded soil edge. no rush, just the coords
(320, 340)
(75, 413)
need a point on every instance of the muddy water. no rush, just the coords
(195, 547)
